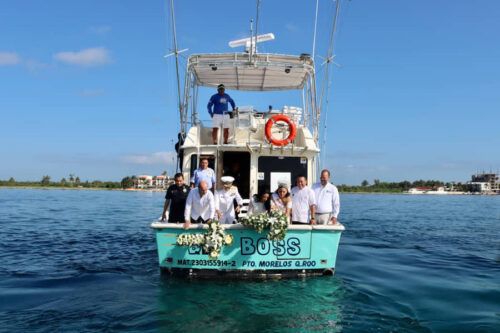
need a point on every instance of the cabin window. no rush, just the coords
(275, 169)
(195, 162)
(237, 165)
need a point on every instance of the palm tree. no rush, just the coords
(45, 180)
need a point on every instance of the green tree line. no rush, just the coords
(71, 182)
(396, 187)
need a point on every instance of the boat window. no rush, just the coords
(237, 165)
(195, 162)
(275, 169)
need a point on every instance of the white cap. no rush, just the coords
(283, 185)
(227, 179)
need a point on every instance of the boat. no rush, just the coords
(266, 146)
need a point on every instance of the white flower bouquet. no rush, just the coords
(212, 241)
(275, 221)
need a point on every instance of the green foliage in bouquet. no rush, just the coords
(275, 221)
(212, 241)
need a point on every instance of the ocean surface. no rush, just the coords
(85, 261)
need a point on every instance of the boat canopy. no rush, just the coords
(259, 72)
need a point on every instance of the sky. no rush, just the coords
(85, 88)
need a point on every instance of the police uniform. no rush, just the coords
(177, 196)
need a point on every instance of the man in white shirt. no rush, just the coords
(303, 203)
(200, 205)
(327, 200)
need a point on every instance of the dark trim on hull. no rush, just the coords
(245, 274)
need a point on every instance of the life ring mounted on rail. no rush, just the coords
(292, 129)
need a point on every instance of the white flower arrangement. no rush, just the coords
(212, 241)
(275, 221)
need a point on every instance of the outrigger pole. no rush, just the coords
(327, 80)
(176, 52)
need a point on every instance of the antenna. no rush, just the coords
(251, 43)
(256, 25)
(315, 26)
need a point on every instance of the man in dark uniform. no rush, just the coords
(175, 199)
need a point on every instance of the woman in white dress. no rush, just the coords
(260, 203)
(282, 200)
(224, 201)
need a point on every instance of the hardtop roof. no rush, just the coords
(266, 72)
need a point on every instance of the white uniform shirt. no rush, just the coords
(327, 199)
(196, 206)
(302, 199)
(224, 201)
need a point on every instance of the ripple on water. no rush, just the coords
(85, 261)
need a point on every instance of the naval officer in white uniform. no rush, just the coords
(224, 201)
(327, 200)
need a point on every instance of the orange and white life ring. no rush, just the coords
(292, 129)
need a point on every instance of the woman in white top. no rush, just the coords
(282, 201)
(260, 203)
(224, 201)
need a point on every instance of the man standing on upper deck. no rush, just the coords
(203, 173)
(303, 202)
(220, 113)
(327, 200)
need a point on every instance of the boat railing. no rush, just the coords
(247, 128)
(306, 227)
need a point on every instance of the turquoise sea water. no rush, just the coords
(85, 261)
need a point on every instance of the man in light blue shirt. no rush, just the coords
(219, 111)
(203, 173)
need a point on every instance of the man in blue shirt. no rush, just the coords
(203, 173)
(218, 110)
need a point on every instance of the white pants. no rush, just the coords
(219, 120)
(323, 218)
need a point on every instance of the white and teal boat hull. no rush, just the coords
(306, 250)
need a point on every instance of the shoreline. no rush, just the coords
(163, 190)
(80, 188)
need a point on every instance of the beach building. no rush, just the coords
(419, 190)
(485, 183)
(144, 181)
(160, 182)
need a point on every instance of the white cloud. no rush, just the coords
(162, 157)
(9, 58)
(100, 29)
(291, 27)
(87, 57)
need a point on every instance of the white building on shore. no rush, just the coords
(151, 182)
